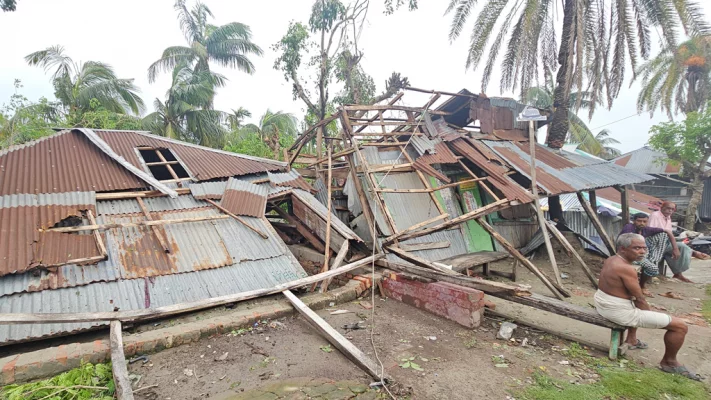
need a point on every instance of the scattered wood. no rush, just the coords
(302, 229)
(336, 339)
(420, 261)
(135, 224)
(424, 246)
(340, 257)
(592, 214)
(161, 312)
(133, 195)
(154, 229)
(118, 363)
(415, 227)
(566, 244)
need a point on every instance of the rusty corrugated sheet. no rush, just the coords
(245, 198)
(497, 172)
(548, 182)
(291, 179)
(204, 163)
(65, 162)
(547, 156)
(441, 155)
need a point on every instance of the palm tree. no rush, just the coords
(76, 84)
(594, 45)
(607, 143)
(273, 128)
(181, 116)
(678, 79)
(227, 45)
(235, 118)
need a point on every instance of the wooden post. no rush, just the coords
(240, 220)
(559, 292)
(336, 339)
(154, 229)
(593, 199)
(329, 206)
(118, 364)
(537, 204)
(615, 341)
(340, 257)
(624, 201)
(563, 241)
(364, 204)
(592, 214)
(513, 270)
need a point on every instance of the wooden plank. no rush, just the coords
(135, 224)
(624, 200)
(160, 312)
(132, 195)
(377, 107)
(383, 144)
(340, 257)
(424, 181)
(462, 262)
(302, 229)
(592, 214)
(563, 241)
(415, 227)
(154, 229)
(523, 260)
(419, 260)
(118, 363)
(336, 339)
(240, 220)
(373, 118)
(546, 240)
(150, 164)
(97, 235)
(329, 207)
(335, 155)
(424, 246)
(403, 190)
(479, 212)
(407, 167)
(364, 205)
(473, 175)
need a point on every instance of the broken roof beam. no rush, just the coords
(135, 224)
(414, 89)
(373, 118)
(156, 232)
(393, 108)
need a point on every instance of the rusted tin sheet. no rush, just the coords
(153, 204)
(547, 156)
(548, 182)
(245, 198)
(648, 161)
(64, 162)
(291, 179)
(204, 163)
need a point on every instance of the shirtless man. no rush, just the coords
(620, 300)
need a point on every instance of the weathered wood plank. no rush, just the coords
(463, 261)
(424, 246)
(340, 257)
(419, 260)
(563, 241)
(118, 363)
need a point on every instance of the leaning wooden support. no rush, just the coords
(592, 214)
(302, 229)
(559, 292)
(329, 207)
(336, 339)
(340, 257)
(161, 312)
(547, 240)
(118, 364)
(240, 220)
(415, 227)
(420, 261)
(97, 235)
(565, 243)
(624, 201)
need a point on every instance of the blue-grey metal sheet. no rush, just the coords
(423, 144)
(249, 187)
(407, 209)
(647, 161)
(283, 177)
(131, 294)
(47, 199)
(590, 176)
(244, 244)
(322, 211)
(353, 199)
(208, 190)
(153, 204)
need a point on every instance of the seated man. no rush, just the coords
(620, 300)
(662, 220)
(656, 240)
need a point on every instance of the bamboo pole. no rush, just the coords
(118, 363)
(592, 214)
(327, 253)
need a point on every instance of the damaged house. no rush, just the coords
(102, 221)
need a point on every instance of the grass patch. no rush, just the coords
(86, 382)
(618, 384)
(706, 306)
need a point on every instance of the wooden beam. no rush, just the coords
(565, 243)
(239, 219)
(118, 363)
(165, 311)
(415, 227)
(624, 201)
(424, 246)
(523, 260)
(592, 214)
(407, 256)
(97, 235)
(383, 144)
(373, 118)
(403, 190)
(154, 229)
(335, 155)
(389, 168)
(478, 213)
(302, 229)
(135, 224)
(364, 205)
(340, 257)
(150, 164)
(329, 207)
(455, 184)
(133, 195)
(336, 339)
(377, 107)
(473, 175)
(471, 96)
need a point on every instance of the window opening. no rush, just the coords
(163, 165)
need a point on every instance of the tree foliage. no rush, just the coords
(275, 131)
(77, 84)
(22, 120)
(8, 5)
(678, 79)
(689, 144)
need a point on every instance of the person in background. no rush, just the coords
(656, 240)
(662, 220)
(620, 300)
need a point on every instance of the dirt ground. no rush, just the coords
(454, 360)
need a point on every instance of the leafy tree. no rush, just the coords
(678, 79)
(595, 44)
(100, 118)
(181, 116)
(236, 117)
(689, 144)
(76, 84)
(22, 120)
(228, 45)
(8, 5)
(607, 143)
(275, 129)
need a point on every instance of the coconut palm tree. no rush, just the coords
(678, 79)
(594, 48)
(228, 45)
(236, 117)
(273, 128)
(77, 84)
(607, 143)
(181, 116)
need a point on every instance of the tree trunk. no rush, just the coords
(697, 191)
(561, 98)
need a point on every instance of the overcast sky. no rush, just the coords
(131, 34)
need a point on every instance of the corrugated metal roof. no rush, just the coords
(290, 179)
(313, 203)
(208, 190)
(322, 196)
(407, 209)
(65, 162)
(131, 294)
(647, 161)
(424, 145)
(558, 178)
(153, 204)
(245, 198)
(205, 163)
(48, 199)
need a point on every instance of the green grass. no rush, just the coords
(71, 385)
(618, 384)
(706, 307)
